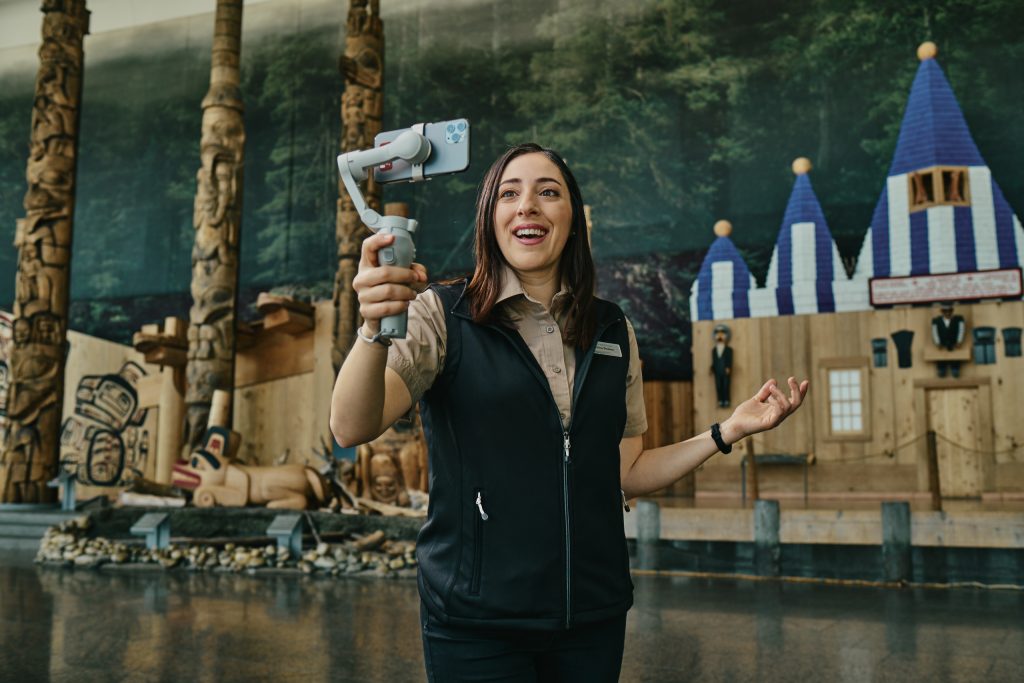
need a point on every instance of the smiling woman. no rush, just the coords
(532, 222)
(528, 190)
(527, 383)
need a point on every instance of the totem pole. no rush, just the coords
(361, 112)
(29, 456)
(216, 218)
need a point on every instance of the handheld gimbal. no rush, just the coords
(410, 146)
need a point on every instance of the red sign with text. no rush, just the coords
(920, 289)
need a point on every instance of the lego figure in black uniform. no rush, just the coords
(948, 333)
(721, 364)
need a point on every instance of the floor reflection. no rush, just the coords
(152, 626)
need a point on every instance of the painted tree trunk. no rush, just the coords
(30, 456)
(217, 220)
(362, 106)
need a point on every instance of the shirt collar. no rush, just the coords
(511, 288)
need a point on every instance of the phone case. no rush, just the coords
(449, 151)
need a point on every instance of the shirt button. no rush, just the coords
(549, 329)
(557, 369)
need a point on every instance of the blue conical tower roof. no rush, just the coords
(933, 132)
(805, 261)
(722, 288)
(963, 223)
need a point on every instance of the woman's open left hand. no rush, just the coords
(765, 410)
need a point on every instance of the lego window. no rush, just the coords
(922, 190)
(938, 186)
(880, 352)
(1011, 341)
(954, 185)
(846, 405)
(984, 345)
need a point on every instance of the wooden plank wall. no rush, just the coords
(89, 355)
(284, 417)
(669, 407)
(282, 399)
(897, 402)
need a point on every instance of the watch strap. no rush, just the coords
(716, 435)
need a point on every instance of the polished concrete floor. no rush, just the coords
(61, 625)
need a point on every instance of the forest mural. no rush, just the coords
(672, 113)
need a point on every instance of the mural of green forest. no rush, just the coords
(673, 113)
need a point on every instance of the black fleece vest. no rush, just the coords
(524, 528)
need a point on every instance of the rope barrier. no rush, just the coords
(968, 449)
(888, 453)
(891, 452)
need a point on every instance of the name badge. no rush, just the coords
(608, 349)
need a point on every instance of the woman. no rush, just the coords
(532, 400)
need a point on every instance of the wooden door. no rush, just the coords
(954, 415)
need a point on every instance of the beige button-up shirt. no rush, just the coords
(419, 358)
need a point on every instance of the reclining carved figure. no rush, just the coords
(295, 487)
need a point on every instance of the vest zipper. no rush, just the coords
(581, 375)
(566, 461)
(478, 545)
(480, 505)
(625, 505)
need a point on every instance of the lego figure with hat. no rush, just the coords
(948, 333)
(721, 364)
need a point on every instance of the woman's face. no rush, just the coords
(533, 215)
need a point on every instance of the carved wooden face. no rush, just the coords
(384, 485)
(105, 459)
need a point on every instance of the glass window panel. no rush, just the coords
(845, 400)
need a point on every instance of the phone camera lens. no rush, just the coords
(451, 128)
(456, 137)
(462, 126)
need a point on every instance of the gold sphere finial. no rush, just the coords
(927, 50)
(723, 228)
(802, 166)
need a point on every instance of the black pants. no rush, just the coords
(590, 653)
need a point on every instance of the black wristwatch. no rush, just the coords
(716, 435)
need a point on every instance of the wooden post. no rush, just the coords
(896, 551)
(169, 424)
(166, 348)
(755, 491)
(29, 456)
(362, 106)
(648, 533)
(767, 551)
(217, 220)
(933, 471)
(220, 409)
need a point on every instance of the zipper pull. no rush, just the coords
(566, 446)
(480, 505)
(625, 505)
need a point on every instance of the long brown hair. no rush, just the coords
(576, 265)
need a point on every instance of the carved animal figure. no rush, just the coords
(294, 487)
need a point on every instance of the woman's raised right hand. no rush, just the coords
(384, 290)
